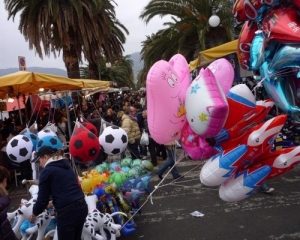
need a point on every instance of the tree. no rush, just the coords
(110, 47)
(68, 26)
(120, 72)
(188, 33)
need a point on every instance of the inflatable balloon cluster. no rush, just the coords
(20, 147)
(190, 112)
(116, 173)
(118, 192)
(85, 143)
(246, 157)
(219, 122)
(269, 45)
(108, 223)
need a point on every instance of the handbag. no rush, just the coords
(144, 138)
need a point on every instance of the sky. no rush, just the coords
(13, 44)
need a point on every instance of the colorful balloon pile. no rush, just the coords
(218, 122)
(112, 195)
(269, 45)
(117, 173)
(119, 187)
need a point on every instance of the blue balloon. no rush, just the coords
(288, 56)
(125, 169)
(33, 138)
(142, 183)
(270, 50)
(261, 12)
(127, 185)
(282, 88)
(257, 50)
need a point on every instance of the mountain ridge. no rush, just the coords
(135, 57)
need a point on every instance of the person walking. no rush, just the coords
(129, 124)
(6, 232)
(152, 143)
(140, 122)
(170, 162)
(59, 181)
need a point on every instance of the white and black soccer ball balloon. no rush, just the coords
(45, 133)
(114, 140)
(19, 148)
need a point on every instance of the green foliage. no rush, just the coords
(75, 27)
(188, 33)
(120, 72)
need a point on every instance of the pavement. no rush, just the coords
(168, 216)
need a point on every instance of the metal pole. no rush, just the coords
(20, 113)
(68, 115)
(31, 101)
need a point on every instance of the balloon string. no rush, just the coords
(160, 184)
(277, 74)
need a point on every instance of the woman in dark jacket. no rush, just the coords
(6, 232)
(110, 116)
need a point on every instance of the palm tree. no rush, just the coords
(120, 72)
(110, 47)
(68, 26)
(188, 33)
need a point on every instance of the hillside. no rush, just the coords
(137, 66)
(53, 71)
(137, 63)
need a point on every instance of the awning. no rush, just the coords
(91, 83)
(211, 54)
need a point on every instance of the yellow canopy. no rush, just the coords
(211, 54)
(91, 83)
(24, 83)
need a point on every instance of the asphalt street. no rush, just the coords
(168, 214)
(261, 216)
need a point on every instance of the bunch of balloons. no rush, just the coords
(269, 45)
(86, 141)
(116, 173)
(179, 109)
(219, 122)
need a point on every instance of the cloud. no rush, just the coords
(13, 44)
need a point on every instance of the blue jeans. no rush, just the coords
(170, 162)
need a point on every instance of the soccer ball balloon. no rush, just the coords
(84, 146)
(114, 140)
(90, 127)
(45, 132)
(19, 148)
(49, 141)
(33, 137)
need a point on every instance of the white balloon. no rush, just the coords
(19, 148)
(114, 140)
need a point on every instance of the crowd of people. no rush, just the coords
(124, 109)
